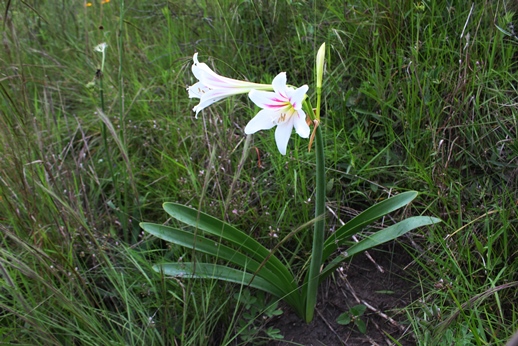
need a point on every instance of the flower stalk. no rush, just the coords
(318, 230)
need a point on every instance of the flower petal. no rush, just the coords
(264, 120)
(204, 103)
(197, 90)
(282, 136)
(203, 73)
(268, 100)
(297, 97)
(212, 80)
(279, 85)
(299, 122)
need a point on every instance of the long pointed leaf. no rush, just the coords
(215, 271)
(380, 237)
(209, 246)
(253, 248)
(365, 218)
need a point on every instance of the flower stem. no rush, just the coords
(318, 232)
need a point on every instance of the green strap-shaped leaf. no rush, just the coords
(220, 251)
(365, 218)
(241, 240)
(380, 237)
(219, 272)
(209, 246)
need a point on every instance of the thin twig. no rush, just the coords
(330, 327)
(370, 307)
(383, 315)
(467, 20)
(387, 340)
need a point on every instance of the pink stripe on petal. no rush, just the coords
(275, 106)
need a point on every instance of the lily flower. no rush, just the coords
(211, 87)
(282, 107)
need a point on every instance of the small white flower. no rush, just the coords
(101, 47)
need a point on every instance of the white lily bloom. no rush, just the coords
(282, 107)
(212, 87)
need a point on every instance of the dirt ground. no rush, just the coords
(361, 282)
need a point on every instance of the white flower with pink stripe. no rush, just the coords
(281, 108)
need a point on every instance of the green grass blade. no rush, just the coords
(219, 272)
(365, 218)
(380, 237)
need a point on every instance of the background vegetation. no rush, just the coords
(418, 95)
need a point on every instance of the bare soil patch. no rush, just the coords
(361, 282)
